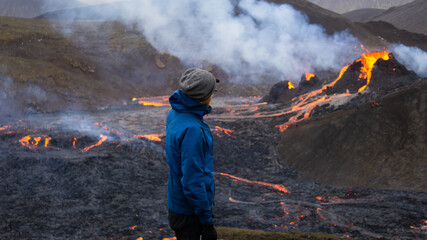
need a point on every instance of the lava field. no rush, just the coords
(103, 175)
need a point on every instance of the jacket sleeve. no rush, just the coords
(193, 165)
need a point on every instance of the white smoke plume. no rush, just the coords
(262, 38)
(413, 58)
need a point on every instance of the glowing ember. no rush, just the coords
(308, 76)
(290, 86)
(132, 228)
(155, 101)
(103, 138)
(46, 141)
(5, 128)
(74, 142)
(172, 238)
(224, 130)
(152, 137)
(234, 200)
(32, 142)
(279, 187)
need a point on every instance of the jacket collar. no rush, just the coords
(180, 102)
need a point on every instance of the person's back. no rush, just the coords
(189, 151)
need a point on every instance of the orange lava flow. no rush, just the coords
(279, 187)
(304, 104)
(5, 128)
(33, 142)
(152, 137)
(224, 130)
(368, 60)
(422, 227)
(304, 109)
(308, 76)
(290, 86)
(46, 141)
(152, 102)
(103, 138)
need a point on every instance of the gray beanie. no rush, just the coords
(198, 84)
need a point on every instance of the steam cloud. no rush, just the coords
(413, 58)
(264, 37)
(248, 38)
(10, 92)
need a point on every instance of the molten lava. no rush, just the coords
(278, 187)
(368, 60)
(290, 86)
(155, 101)
(224, 130)
(308, 76)
(33, 142)
(103, 138)
(152, 137)
(5, 128)
(304, 104)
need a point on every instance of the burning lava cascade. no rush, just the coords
(303, 104)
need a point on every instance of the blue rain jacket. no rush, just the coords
(189, 151)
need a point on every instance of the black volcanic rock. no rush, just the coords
(310, 83)
(280, 93)
(377, 145)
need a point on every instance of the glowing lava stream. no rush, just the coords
(103, 138)
(278, 187)
(163, 101)
(224, 130)
(368, 60)
(152, 137)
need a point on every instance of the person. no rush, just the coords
(189, 151)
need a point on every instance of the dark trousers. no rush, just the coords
(186, 227)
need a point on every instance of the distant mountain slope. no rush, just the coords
(370, 33)
(364, 14)
(411, 17)
(343, 6)
(33, 8)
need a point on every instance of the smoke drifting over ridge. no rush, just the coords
(263, 38)
(247, 38)
(413, 58)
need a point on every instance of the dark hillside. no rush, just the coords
(84, 71)
(411, 17)
(342, 6)
(364, 14)
(371, 33)
(382, 147)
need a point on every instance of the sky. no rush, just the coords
(97, 1)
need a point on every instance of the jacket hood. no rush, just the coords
(180, 102)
